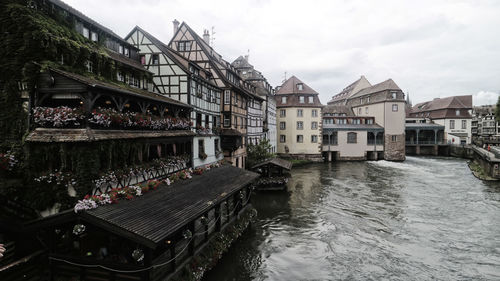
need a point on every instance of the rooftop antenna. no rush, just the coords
(212, 36)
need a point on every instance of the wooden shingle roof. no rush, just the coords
(153, 217)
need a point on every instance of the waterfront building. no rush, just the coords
(299, 120)
(237, 94)
(176, 77)
(483, 122)
(350, 137)
(385, 102)
(266, 91)
(454, 113)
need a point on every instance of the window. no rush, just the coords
(300, 86)
(314, 113)
(85, 32)
(283, 100)
(216, 146)
(367, 99)
(394, 95)
(300, 138)
(120, 49)
(314, 125)
(120, 77)
(342, 121)
(282, 125)
(300, 125)
(235, 121)
(452, 124)
(394, 138)
(327, 121)
(89, 65)
(352, 137)
(369, 121)
(299, 112)
(314, 138)
(457, 112)
(366, 110)
(143, 59)
(201, 149)
(282, 112)
(356, 121)
(394, 107)
(183, 46)
(301, 99)
(155, 59)
(464, 124)
(126, 52)
(94, 37)
(227, 120)
(360, 110)
(227, 97)
(282, 138)
(311, 99)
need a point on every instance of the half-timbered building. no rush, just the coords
(236, 96)
(176, 77)
(266, 91)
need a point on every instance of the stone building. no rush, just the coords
(299, 120)
(385, 102)
(454, 113)
(265, 90)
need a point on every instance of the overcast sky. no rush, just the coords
(430, 48)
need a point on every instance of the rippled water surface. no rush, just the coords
(423, 219)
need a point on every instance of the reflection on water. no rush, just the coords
(424, 219)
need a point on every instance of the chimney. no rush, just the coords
(176, 26)
(246, 58)
(206, 36)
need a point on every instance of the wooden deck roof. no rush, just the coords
(276, 162)
(151, 218)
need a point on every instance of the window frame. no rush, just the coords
(300, 138)
(352, 137)
(301, 127)
(395, 107)
(301, 114)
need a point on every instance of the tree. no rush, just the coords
(497, 110)
(257, 153)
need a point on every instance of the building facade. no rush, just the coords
(385, 102)
(264, 90)
(299, 120)
(176, 77)
(237, 94)
(454, 113)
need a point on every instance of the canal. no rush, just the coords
(427, 218)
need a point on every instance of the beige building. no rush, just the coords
(298, 120)
(385, 102)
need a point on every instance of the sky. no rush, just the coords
(430, 48)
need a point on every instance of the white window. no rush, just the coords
(314, 125)
(342, 121)
(314, 113)
(299, 112)
(85, 32)
(227, 97)
(94, 37)
(356, 121)
(314, 138)
(394, 107)
(311, 99)
(120, 76)
(282, 112)
(464, 124)
(282, 138)
(300, 138)
(120, 49)
(89, 65)
(457, 112)
(300, 125)
(394, 138)
(301, 99)
(369, 121)
(367, 99)
(366, 110)
(300, 86)
(452, 124)
(282, 125)
(126, 52)
(360, 111)
(227, 120)
(283, 100)
(394, 95)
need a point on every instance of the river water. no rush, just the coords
(427, 218)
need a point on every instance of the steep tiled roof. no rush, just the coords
(294, 101)
(453, 102)
(388, 84)
(354, 87)
(290, 87)
(338, 109)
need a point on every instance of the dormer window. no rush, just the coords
(126, 52)
(301, 99)
(120, 49)
(85, 32)
(311, 99)
(283, 100)
(457, 112)
(93, 36)
(394, 95)
(300, 86)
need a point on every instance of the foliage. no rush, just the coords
(257, 153)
